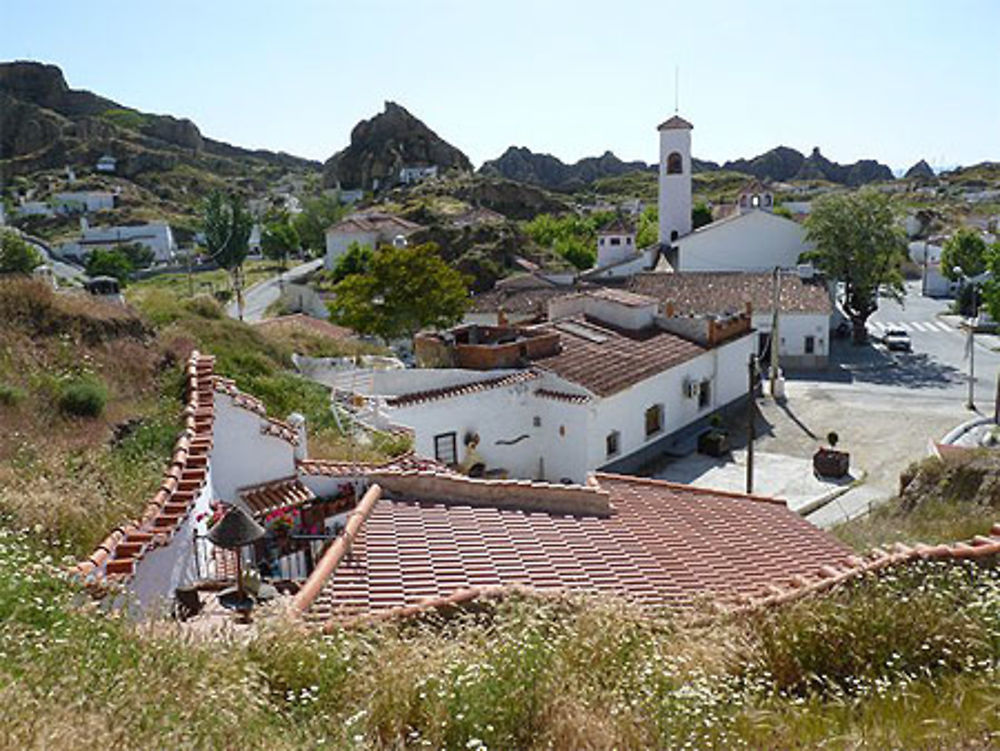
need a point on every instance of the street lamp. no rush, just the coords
(971, 324)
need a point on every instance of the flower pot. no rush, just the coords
(713, 443)
(831, 463)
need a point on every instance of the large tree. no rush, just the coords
(991, 287)
(318, 213)
(404, 290)
(965, 250)
(17, 256)
(227, 225)
(279, 239)
(113, 262)
(859, 244)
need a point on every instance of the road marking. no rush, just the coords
(919, 327)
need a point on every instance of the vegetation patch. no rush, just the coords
(84, 397)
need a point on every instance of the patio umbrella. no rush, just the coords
(236, 529)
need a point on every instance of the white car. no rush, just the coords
(897, 339)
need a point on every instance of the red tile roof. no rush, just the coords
(306, 323)
(708, 292)
(662, 544)
(261, 499)
(462, 389)
(675, 123)
(620, 360)
(375, 222)
(116, 557)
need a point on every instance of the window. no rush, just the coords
(673, 235)
(675, 163)
(445, 450)
(601, 241)
(767, 199)
(755, 201)
(628, 240)
(705, 394)
(611, 443)
(616, 241)
(654, 420)
(810, 345)
(536, 421)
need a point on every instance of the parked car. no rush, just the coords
(897, 339)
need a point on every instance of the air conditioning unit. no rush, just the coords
(691, 388)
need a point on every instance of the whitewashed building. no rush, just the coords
(157, 236)
(85, 201)
(607, 382)
(370, 229)
(106, 163)
(417, 173)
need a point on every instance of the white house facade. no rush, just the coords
(755, 240)
(369, 229)
(156, 236)
(606, 383)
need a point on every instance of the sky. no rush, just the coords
(896, 81)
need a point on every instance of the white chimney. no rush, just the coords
(298, 421)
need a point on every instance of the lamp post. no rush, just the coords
(970, 341)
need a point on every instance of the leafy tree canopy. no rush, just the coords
(318, 213)
(649, 227)
(857, 243)
(139, 255)
(279, 239)
(227, 225)
(991, 288)
(404, 290)
(701, 215)
(357, 259)
(17, 256)
(966, 249)
(109, 263)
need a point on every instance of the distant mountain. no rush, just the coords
(524, 165)
(44, 124)
(921, 171)
(383, 145)
(781, 163)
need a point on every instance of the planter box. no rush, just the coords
(831, 463)
(713, 443)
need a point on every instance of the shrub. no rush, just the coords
(10, 396)
(16, 255)
(83, 398)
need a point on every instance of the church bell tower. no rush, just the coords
(675, 179)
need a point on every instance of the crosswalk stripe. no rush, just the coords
(877, 326)
(919, 326)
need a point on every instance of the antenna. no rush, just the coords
(677, 96)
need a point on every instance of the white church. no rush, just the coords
(753, 238)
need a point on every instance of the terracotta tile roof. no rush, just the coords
(621, 296)
(620, 360)
(728, 292)
(525, 297)
(375, 222)
(674, 123)
(620, 226)
(261, 499)
(308, 323)
(662, 544)
(405, 462)
(116, 557)
(562, 396)
(417, 397)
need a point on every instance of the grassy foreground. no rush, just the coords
(906, 661)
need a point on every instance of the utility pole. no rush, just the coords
(751, 419)
(972, 352)
(776, 303)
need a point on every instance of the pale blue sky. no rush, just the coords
(892, 80)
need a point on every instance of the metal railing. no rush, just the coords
(290, 560)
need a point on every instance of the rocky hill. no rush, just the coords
(781, 163)
(44, 124)
(920, 171)
(381, 146)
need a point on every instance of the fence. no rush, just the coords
(292, 559)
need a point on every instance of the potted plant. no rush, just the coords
(715, 440)
(828, 462)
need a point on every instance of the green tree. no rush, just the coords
(649, 227)
(405, 290)
(227, 225)
(357, 259)
(701, 215)
(966, 249)
(278, 240)
(17, 256)
(990, 289)
(109, 263)
(857, 243)
(577, 251)
(317, 214)
(139, 255)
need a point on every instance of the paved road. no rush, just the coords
(258, 297)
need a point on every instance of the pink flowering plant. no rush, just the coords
(214, 514)
(283, 519)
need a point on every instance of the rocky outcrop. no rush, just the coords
(44, 124)
(920, 171)
(386, 143)
(781, 163)
(522, 164)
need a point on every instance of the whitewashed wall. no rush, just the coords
(338, 242)
(793, 328)
(241, 454)
(755, 241)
